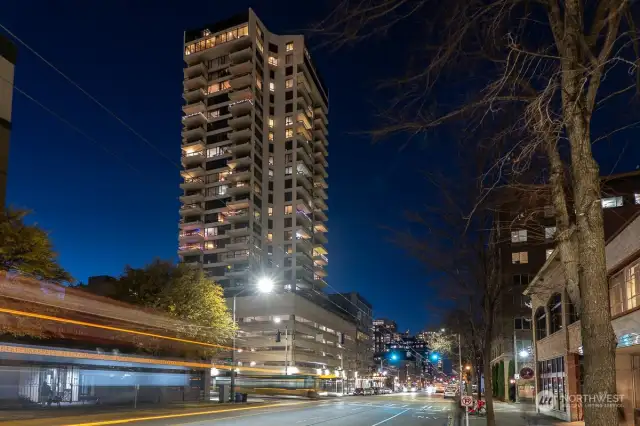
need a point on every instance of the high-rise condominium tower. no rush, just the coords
(254, 149)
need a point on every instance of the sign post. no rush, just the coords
(466, 401)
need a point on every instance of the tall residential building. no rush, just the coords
(254, 155)
(7, 63)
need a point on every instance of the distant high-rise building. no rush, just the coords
(384, 332)
(7, 63)
(254, 155)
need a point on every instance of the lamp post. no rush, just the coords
(265, 285)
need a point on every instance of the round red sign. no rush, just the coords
(526, 373)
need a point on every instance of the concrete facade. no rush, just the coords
(7, 64)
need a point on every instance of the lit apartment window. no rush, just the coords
(519, 257)
(271, 160)
(288, 235)
(624, 289)
(216, 87)
(288, 133)
(289, 46)
(270, 210)
(549, 232)
(288, 248)
(259, 82)
(260, 47)
(271, 122)
(270, 173)
(611, 202)
(288, 120)
(269, 237)
(215, 113)
(272, 87)
(288, 84)
(288, 171)
(271, 136)
(288, 209)
(210, 232)
(637, 197)
(273, 61)
(548, 253)
(519, 236)
(210, 245)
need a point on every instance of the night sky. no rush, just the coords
(104, 211)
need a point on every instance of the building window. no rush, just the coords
(288, 120)
(541, 323)
(288, 171)
(549, 232)
(288, 158)
(520, 257)
(288, 84)
(269, 237)
(272, 86)
(270, 173)
(624, 289)
(270, 211)
(522, 323)
(288, 60)
(288, 108)
(548, 253)
(552, 381)
(288, 235)
(273, 61)
(258, 82)
(611, 202)
(555, 313)
(271, 136)
(288, 133)
(288, 248)
(216, 87)
(519, 236)
(260, 46)
(289, 46)
(271, 122)
(288, 209)
(637, 197)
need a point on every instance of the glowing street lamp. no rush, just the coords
(524, 353)
(265, 285)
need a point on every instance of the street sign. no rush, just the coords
(466, 401)
(516, 376)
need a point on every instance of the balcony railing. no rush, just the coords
(191, 206)
(194, 233)
(190, 247)
(192, 154)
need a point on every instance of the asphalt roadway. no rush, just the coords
(406, 409)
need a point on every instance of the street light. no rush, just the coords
(468, 367)
(524, 353)
(264, 285)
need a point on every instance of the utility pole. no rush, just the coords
(286, 350)
(460, 363)
(515, 363)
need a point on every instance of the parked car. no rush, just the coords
(451, 392)
(376, 391)
(359, 391)
(387, 390)
(439, 387)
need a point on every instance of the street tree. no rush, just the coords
(27, 249)
(544, 62)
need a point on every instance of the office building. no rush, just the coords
(254, 155)
(7, 63)
(385, 331)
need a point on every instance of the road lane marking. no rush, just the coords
(178, 415)
(392, 417)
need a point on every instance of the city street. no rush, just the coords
(396, 409)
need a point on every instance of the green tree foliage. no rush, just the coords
(27, 248)
(182, 292)
(512, 371)
(501, 380)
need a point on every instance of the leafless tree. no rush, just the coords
(544, 62)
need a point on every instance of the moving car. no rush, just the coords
(431, 389)
(439, 387)
(451, 392)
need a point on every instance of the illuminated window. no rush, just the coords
(637, 197)
(259, 82)
(288, 171)
(273, 61)
(288, 120)
(260, 47)
(288, 83)
(272, 87)
(288, 209)
(216, 87)
(289, 46)
(520, 257)
(288, 133)
(270, 210)
(519, 236)
(271, 122)
(270, 172)
(288, 235)
(271, 160)
(210, 232)
(210, 245)
(548, 252)
(259, 31)
(611, 202)
(288, 248)
(271, 134)
(549, 232)
(269, 236)
(215, 113)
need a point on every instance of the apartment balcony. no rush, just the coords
(236, 257)
(190, 249)
(320, 227)
(240, 148)
(241, 82)
(240, 122)
(235, 216)
(192, 199)
(241, 55)
(304, 120)
(194, 145)
(302, 191)
(239, 188)
(319, 282)
(241, 68)
(320, 135)
(320, 204)
(319, 168)
(195, 70)
(238, 203)
(304, 155)
(192, 183)
(239, 244)
(192, 157)
(196, 224)
(320, 192)
(237, 273)
(194, 108)
(241, 107)
(319, 146)
(318, 181)
(319, 237)
(194, 133)
(303, 219)
(191, 236)
(320, 259)
(320, 125)
(302, 131)
(320, 215)
(195, 119)
(303, 231)
(191, 96)
(240, 135)
(239, 162)
(239, 174)
(197, 82)
(241, 95)
(305, 181)
(302, 207)
(319, 272)
(191, 209)
(319, 112)
(320, 158)
(237, 232)
(192, 172)
(304, 244)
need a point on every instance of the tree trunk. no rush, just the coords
(486, 362)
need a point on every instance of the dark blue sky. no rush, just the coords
(105, 212)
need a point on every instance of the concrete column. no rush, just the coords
(207, 384)
(572, 384)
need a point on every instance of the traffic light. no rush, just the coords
(278, 337)
(394, 356)
(435, 356)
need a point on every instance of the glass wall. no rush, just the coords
(551, 384)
